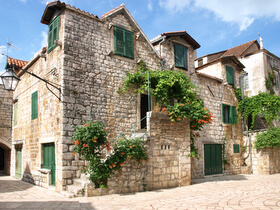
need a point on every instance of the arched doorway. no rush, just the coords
(5, 159)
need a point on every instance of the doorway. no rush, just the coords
(213, 159)
(144, 109)
(49, 160)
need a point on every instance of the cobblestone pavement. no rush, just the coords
(223, 192)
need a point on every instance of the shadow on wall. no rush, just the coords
(219, 178)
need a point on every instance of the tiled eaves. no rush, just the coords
(17, 62)
(209, 76)
(239, 50)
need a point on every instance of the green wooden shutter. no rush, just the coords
(119, 41)
(53, 33)
(234, 114)
(223, 113)
(185, 58)
(181, 56)
(230, 75)
(34, 105)
(129, 50)
(236, 148)
(15, 113)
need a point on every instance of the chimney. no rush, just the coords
(205, 60)
(261, 42)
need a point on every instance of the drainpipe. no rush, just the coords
(250, 152)
(163, 39)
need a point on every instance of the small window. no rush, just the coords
(15, 114)
(53, 33)
(230, 75)
(34, 105)
(246, 82)
(236, 148)
(181, 56)
(123, 42)
(229, 114)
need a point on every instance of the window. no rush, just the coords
(34, 105)
(236, 148)
(15, 114)
(230, 75)
(246, 82)
(181, 56)
(53, 33)
(123, 42)
(229, 114)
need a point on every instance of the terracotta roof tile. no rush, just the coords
(107, 13)
(17, 62)
(238, 50)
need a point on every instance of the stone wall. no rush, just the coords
(92, 75)
(264, 161)
(168, 166)
(6, 114)
(32, 134)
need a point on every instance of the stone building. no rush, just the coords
(85, 63)
(7, 120)
(219, 143)
(6, 101)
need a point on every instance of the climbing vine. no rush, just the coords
(270, 82)
(270, 138)
(264, 105)
(175, 93)
(91, 143)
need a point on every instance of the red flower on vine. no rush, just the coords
(84, 145)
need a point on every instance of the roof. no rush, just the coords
(209, 76)
(220, 59)
(17, 62)
(183, 34)
(57, 5)
(239, 50)
(112, 11)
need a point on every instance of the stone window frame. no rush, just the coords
(232, 114)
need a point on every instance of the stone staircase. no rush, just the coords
(80, 187)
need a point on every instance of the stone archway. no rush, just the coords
(5, 157)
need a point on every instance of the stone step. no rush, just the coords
(68, 194)
(77, 191)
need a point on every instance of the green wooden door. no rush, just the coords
(49, 159)
(18, 162)
(213, 159)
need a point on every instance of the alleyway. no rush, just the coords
(225, 192)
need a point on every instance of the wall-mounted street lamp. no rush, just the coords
(10, 80)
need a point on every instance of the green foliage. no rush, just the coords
(91, 142)
(167, 87)
(270, 82)
(270, 138)
(263, 104)
(238, 93)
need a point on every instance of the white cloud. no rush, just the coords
(150, 5)
(2, 50)
(243, 13)
(44, 41)
(23, 1)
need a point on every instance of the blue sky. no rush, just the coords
(215, 24)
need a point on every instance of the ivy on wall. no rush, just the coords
(175, 93)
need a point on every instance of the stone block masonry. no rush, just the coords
(168, 165)
(6, 115)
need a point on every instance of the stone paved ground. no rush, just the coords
(224, 192)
